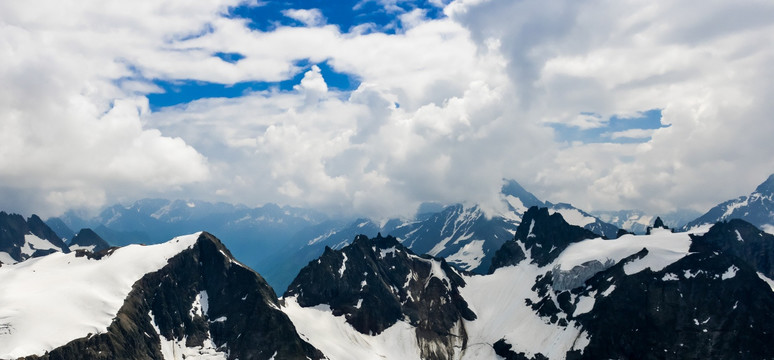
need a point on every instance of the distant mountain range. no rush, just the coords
(279, 241)
(637, 221)
(466, 236)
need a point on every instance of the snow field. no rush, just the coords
(498, 301)
(664, 248)
(469, 256)
(339, 340)
(30, 303)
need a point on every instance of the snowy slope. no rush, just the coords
(498, 300)
(500, 316)
(73, 296)
(339, 340)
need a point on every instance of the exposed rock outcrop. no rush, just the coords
(376, 282)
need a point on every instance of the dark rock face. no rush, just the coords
(543, 236)
(741, 239)
(241, 316)
(659, 223)
(14, 227)
(39, 228)
(88, 238)
(546, 236)
(622, 232)
(508, 255)
(376, 282)
(692, 309)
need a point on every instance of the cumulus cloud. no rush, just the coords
(445, 108)
(70, 135)
(437, 133)
(700, 62)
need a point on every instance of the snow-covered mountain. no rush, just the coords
(378, 286)
(756, 208)
(187, 298)
(22, 239)
(557, 292)
(466, 236)
(279, 241)
(637, 221)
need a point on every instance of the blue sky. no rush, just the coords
(346, 14)
(178, 92)
(613, 129)
(374, 15)
(374, 107)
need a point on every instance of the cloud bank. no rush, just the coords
(445, 107)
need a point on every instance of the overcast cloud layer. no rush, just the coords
(445, 110)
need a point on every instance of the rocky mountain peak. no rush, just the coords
(201, 304)
(767, 187)
(87, 239)
(377, 282)
(546, 236)
(21, 239)
(513, 188)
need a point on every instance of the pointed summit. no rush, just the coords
(513, 188)
(376, 283)
(87, 239)
(658, 223)
(767, 187)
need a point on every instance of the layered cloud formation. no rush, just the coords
(666, 103)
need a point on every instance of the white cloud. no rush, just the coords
(70, 136)
(698, 61)
(308, 17)
(583, 121)
(632, 134)
(445, 108)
